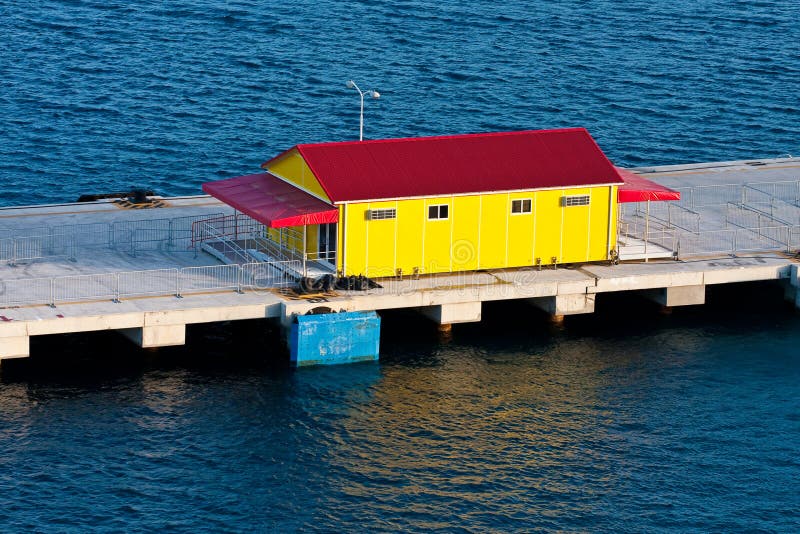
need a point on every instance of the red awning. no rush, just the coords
(638, 189)
(272, 201)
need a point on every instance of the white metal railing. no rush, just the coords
(735, 240)
(155, 282)
(211, 278)
(73, 241)
(207, 235)
(20, 249)
(667, 213)
(787, 191)
(241, 239)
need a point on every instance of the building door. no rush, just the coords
(327, 243)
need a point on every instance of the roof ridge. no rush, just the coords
(442, 137)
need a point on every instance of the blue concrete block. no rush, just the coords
(332, 338)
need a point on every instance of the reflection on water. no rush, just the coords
(682, 422)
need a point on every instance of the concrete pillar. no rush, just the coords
(792, 287)
(149, 337)
(447, 314)
(14, 347)
(677, 296)
(561, 305)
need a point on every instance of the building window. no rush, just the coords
(575, 200)
(438, 211)
(382, 214)
(522, 205)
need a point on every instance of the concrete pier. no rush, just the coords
(151, 315)
(449, 314)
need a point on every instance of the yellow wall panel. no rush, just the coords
(547, 213)
(380, 238)
(465, 226)
(293, 168)
(355, 242)
(494, 211)
(410, 228)
(437, 238)
(520, 233)
(575, 231)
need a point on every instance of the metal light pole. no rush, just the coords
(374, 94)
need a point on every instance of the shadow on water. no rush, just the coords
(620, 319)
(95, 358)
(409, 339)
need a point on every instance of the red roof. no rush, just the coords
(272, 201)
(458, 164)
(638, 189)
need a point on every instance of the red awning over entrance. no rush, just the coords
(638, 189)
(272, 201)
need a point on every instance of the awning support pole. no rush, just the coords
(305, 252)
(646, 229)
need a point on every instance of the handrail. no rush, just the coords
(152, 283)
(229, 244)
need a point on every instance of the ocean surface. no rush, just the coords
(627, 420)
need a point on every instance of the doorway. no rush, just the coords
(327, 243)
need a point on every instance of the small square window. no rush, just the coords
(522, 205)
(438, 211)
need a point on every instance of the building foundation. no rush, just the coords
(560, 305)
(677, 296)
(448, 314)
(14, 347)
(149, 337)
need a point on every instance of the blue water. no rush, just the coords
(626, 420)
(100, 95)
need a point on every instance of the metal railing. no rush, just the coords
(787, 191)
(736, 240)
(150, 283)
(73, 241)
(240, 239)
(21, 249)
(667, 213)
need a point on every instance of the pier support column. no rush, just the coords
(14, 341)
(149, 337)
(792, 288)
(561, 305)
(14, 347)
(677, 296)
(448, 314)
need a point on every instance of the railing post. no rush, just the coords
(239, 276)
(116, 289)
(733, 242)
(178, 283)
(52, 292)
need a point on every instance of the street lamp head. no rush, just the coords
(350, 84)
(374, 94)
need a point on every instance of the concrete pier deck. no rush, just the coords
(159, 318)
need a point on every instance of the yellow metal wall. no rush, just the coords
(480, 233)
(293, 168)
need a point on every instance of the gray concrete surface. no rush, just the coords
(161, 320)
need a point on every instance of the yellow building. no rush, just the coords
(437, 204)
